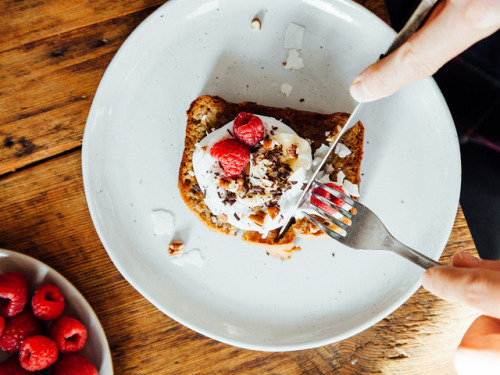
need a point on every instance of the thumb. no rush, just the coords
(479, 351)
(474, 287)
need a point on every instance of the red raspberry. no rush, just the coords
(328, 196)
(232, 155)
(71, 364)
(11, 366)
(13, 293)
(37, 353)
(2, 324)
(69, 334)
(248, 129)
(17, 329)
(47, 302)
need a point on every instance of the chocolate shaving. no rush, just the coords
(230, 198)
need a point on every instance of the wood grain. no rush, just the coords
(52, 57)
(45, 109)
(26, 21)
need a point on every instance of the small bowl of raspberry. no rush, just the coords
(45, 322)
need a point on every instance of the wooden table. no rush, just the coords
(52, 56)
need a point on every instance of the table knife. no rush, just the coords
(417, 18)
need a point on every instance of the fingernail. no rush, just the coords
(427, 280)
(460, 257)
(359, 92)
(457, 257)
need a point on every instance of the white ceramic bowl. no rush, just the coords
(96, 348)
(134, 139)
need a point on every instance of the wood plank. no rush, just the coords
(27, 21)
(43, 213)
(47, 86)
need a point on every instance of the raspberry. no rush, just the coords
(328, 196)
(71, 364)
(69, 334)
(13, 293)
(248, 129)
(17, 329)
(37, 353)
(2, 324)
(47, 302)
(232, 155)
(11, 366)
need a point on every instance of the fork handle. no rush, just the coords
(412, 255)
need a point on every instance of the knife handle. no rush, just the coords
(417, 18)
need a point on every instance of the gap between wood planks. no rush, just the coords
(56, 33)
(40, 161)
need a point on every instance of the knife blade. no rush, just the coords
(412, 25)
(351, 121)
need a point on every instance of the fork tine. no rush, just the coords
(330, 217)
(323, 227)
(338, 194)
(332, 205)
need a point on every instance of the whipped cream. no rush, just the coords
(272, 183)
(262, 194)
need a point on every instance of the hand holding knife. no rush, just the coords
(415, 21)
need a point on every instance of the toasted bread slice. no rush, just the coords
(208, 113)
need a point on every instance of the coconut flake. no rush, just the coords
(294, 61)
(329, 169)
(325, 178)
(340, 178)
(319, 155)
(350, 188)
(293, 36)
(342, 150)
(163, 222)
(286, 89)
(256, 24)
(191, 257)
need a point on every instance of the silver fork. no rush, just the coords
(360, 228)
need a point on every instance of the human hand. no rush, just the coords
(452, 27)
(475, 283)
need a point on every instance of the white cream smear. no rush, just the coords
(237, 211)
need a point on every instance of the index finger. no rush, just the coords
(453, 26)
(474, 287)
